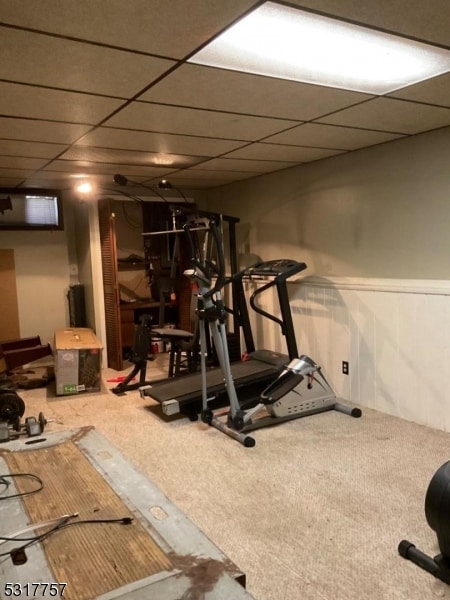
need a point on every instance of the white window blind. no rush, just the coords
(30, 209)
(41, 210)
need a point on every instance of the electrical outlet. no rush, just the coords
(345, 367)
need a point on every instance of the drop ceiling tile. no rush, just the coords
(293, 154)
(388, 114)
(31, 149)
(234, 164)
(10, 181)
(107, 180)
(41, 131)
(62, 180)
(219, 89)
(50, 183)
(158, 27)
(432, 91)
(428, 21)
(107, 137)
(42, 103)
(205, 119)
(15, 173)
(130, 157)
(186, 121)
(20, 162)
(196, 176)
(202, 183)
(144, 186)
(132, 171)
(50, 175)
(75, 65)
(331, 136)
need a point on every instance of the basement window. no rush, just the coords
(30, 209)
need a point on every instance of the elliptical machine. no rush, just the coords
(300, 390)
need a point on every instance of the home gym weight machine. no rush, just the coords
(300, 390)
(169, 390)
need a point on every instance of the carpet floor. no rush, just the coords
(315, 511)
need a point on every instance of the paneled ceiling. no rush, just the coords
(98, 87)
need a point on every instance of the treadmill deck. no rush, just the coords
(250, 378)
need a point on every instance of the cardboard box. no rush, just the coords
(78, 360)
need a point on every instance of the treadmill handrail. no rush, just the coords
(263, 312)
(279, 271)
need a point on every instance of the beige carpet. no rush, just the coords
(314, 511)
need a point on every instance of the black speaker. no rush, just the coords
(77, 306)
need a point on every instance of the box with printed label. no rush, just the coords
(78, 360)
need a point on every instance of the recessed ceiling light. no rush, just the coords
(84, 188)
(288, 43)
(163, 160)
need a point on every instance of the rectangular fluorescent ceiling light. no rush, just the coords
(288, 43)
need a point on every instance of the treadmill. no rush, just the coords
(252, 375)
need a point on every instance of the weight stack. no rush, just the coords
(77, 307)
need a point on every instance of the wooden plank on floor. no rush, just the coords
(92, 558)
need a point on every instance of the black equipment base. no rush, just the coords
(437, 566)
(437, 514)
(139, 356)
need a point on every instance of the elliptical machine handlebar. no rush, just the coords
(207, 268)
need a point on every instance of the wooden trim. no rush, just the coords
(110, 284)
(9, 315)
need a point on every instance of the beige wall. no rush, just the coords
(378, 212)
(43, 276)
(47, 262)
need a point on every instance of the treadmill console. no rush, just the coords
(280, 268)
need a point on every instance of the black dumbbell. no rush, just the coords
(35, 426)
(31, 427)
